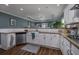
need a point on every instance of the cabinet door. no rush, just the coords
(37, 38)
(11, 40)
(4, 41)
(66, 16)
(74, 50)
(71, 16)
(55, 40)
(61, 42)
(7, 41)
(29, 37)
(62, 46)
(48, 39)
(66, 47)
(42, 39)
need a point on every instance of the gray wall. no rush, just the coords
(5, 21)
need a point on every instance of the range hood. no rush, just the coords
(76, 6)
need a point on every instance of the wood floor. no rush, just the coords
(17, 51)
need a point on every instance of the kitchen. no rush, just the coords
(42, 29)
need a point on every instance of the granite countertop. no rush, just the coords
(73, 41)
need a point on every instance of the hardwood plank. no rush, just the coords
(42, 51)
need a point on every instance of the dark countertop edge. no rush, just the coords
(71, 40)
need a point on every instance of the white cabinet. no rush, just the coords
(36, 40)
(64, 45)
(66, 16)
(51, 40)
(42, 39)
(54, 40)
(69, 15)
(29, 39)
(61, 42)
(74, 50)
(48, 39)
(8, 41)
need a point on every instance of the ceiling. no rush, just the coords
(34, 11)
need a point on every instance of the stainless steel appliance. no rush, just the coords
(20, 37)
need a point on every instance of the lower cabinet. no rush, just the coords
(61, 42)
(29, 39)
(51, 40)
(8, 40)
(74, 50)
(54, 40)
(64, 46)
(42, 39)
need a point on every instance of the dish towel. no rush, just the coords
(33, 35)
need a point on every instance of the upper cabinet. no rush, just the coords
(71, 16)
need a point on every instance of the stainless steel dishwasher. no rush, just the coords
(20, 38)
(0, 38)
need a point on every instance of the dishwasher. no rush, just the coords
(20, 38)
(0, 40)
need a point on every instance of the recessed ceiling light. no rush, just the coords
(58, 5)
(21, 9)
(6, 4)
(39, 9)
